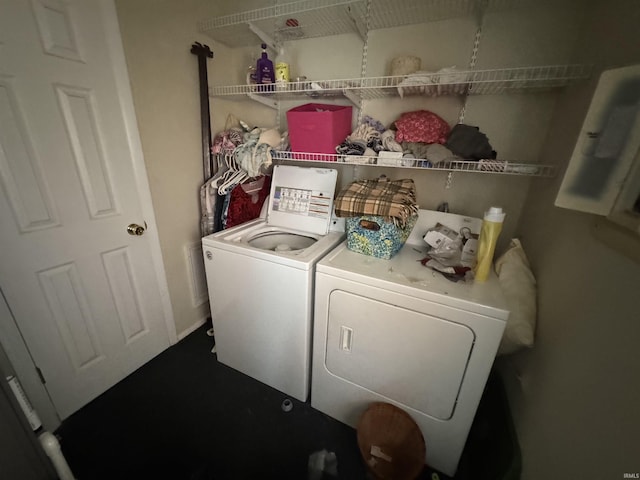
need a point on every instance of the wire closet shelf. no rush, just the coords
(459, 82)
(314, 18)
(490, 166)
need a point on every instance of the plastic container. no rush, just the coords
(489, 233)
(318, 128)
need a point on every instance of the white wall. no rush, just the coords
(575, 396)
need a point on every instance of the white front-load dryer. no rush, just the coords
(396, 331)
(260, 278)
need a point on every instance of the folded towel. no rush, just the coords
(393, 199)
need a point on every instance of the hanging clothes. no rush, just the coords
(254, 155)
(209, 198)
(246, 156)
(246, 200)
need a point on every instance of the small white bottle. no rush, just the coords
(489, 233)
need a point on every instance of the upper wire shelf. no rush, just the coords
(315, 18)
(482, 166)
(288, 21)
(473, 82)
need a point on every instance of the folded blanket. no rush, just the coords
(393, 199)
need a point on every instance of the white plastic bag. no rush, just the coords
(519, 288)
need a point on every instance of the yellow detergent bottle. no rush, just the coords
(491, 227)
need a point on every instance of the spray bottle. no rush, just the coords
(491, 227)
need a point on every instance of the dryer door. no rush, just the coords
(411, 357)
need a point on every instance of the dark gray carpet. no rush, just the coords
(185, 416)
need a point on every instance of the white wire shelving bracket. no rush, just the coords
(264, 37)
(264, 100)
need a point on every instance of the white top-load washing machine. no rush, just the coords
(396, 331)
(260, 277)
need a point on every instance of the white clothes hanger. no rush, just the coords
(253, 185)
(235, 178)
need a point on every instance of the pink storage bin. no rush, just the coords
(318, 128)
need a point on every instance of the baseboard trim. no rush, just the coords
(192, 328)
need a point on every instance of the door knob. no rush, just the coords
(135, 229)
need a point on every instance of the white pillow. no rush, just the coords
(519, 288)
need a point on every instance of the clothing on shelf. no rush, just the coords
(388, 139)
(470, 143)
(373, 123)
(433, 152)
(362, 146)
(415, 83)
(446, 81)
(421, 126)
(254, 154)
(417, 136)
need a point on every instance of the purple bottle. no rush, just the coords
(264, 71)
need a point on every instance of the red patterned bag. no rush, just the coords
(421, 126)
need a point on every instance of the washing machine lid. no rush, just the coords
(302, 198)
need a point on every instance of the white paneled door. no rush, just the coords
(88, 297)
